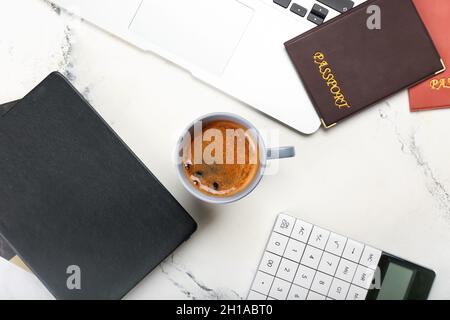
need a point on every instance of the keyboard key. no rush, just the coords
(338, 289)
(256, 296)
(346, 270)
(283, 3)
(304, 276)
(370, 257)
(315, 19)
(315, 296)
(311, 257)
(280, 289)
(329, 263)
(303, 261)
(319, 11)
(294, 250)
(298, 9)
(321, 283)
(356, 293)
(262, 282)
(284, 224)
(336, 244)
(269, 263)
(287, 270)
(297, 293)
(353, 250)
(363, 277)
(339, 5)
(319, 237)
(277, 243)
(301, 231)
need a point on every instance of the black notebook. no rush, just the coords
(76, 202)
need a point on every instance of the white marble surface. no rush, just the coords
(382, 177)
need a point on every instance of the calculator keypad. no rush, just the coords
(353, 250)
(339, 289)
(304, 276)
(294, 250)
(305, 262)
(269, 263)
(319, 238)
(329, 263)
(280, 289)
(311, 257)
(277, 243)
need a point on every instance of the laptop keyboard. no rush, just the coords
(318, 13)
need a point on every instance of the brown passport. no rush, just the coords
(347, 66)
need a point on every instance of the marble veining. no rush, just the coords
(409, 146)
(66, 64)
(190, 286)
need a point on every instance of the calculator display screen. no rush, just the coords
(395, 283)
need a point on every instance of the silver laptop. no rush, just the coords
(233, 45)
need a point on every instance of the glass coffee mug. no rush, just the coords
(221, 158)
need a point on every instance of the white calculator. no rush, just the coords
(305, 262)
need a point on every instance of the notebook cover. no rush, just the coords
(73, 194)
(6, 251)
(4, 108)
(347, 67)
(434, 93)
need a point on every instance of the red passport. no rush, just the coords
(435, 92)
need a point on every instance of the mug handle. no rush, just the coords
(280, 153)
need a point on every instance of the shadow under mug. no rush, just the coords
(265, 154)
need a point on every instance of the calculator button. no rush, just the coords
(336, 244)
(297, 293)
(356, 293)
(253, 295)
(262, 282)
(363, 277)
(287, 270)
(329, 263)
(346, 270)
(338, 289)
(304, 276)
(315, 296)
(301, 231)
(277, 243)
(319, 237)
(294, 250)
(280, 289)
(311, 257)
(321, 283)
(370, 257)
(284, 224)
(269, 263)
(353, 250)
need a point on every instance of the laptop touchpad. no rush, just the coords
(203, 33)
